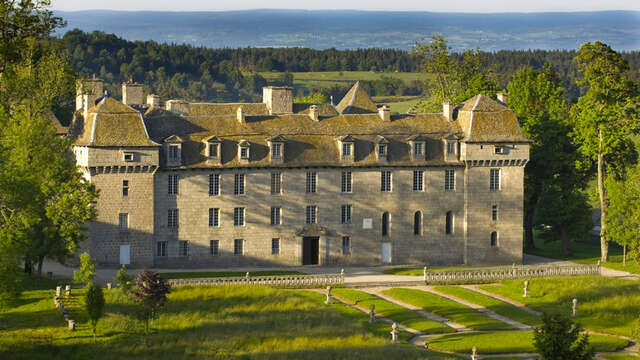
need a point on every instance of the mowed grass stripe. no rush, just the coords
(452, 310)
(392, 311)
(505, 342)
(495, 305)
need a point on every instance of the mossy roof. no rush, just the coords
(214, 109)
(356, 101)
(60, 129)
(323, 109)
(486, 120)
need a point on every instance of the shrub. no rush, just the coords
(87, 272)
(94, 304)
(151, 293)
(559, 338)
(10, 278)
(123, 279)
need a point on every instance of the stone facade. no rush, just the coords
(158, 183)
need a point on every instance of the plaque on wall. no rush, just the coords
(367, 223)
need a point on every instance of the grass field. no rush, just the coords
(449, 309)
(220, 322)
(392, 311)
(606, 305)
(329, 78)
(509, 342)
(620, 357)
(495, 305)
(211, 274)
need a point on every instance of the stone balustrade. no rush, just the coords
(275, 280)
(513, 272)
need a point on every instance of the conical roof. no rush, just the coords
(357, 101)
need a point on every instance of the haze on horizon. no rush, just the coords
(486, 6)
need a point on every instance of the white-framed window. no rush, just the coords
(418, 180)
(449, 180)
(385, 181)
(123, 221)
(418, 149)
(494, 238)
(161, 248)
(347, 149)
(214, 247)
(382, 150)
(238, 216)
(494, 180)
(494, 212)
(174, 153)
(276, 183)
(312, 179)
(238, 184)
(238, 247)
(172, 184)
(451, 147)
(183, 248)
(346, 245)
(345, 217)
(275, 246)
(214, 184)
(310, 214)
(125, 188)
(172, 218)
(275, 215)
(244, 152)
(213, 150)
(346, 182)
(499, 149)
(214, 217)
(127, 156)
(276, 150)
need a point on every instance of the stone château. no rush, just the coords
(282, 183)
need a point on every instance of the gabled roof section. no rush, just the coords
(323, 109)
(356, 102)
(346, 138)
(452, 137)
(277, 138)
(382, 140)
(173, 139)
(212, 139)
(112, 123)
(485, 120)
(60, 129)
(482, 103)
(243, 143)
(417, 137)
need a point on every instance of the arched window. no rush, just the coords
(385, 224)
(417, 223)
(448, 227)
(494, 239)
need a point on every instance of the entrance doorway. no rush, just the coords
(310, 250)
(125, 254)
(386, 253)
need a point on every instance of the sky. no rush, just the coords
(396, 5)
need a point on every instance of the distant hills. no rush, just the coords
(350, 29)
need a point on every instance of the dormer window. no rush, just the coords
(173, 150)
(382, 149)
(214, 150)
(243, 151)
(418, 144)
(174, 153)
(347, 148)
(451, 148)
(418, 149)
(276, 149)
(127, 156)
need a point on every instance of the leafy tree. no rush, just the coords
(559, 338)
(123, 279)
(602, 121)
(94, 305)
(315, 98)
(87, 272)
(151, 293)
(623, 221)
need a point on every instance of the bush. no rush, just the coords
(559, 338)
(151, 293)
(123, 279)
(87, 272)
(94, 304)
(10, 279)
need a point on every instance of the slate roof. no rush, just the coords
(61, 130)
(356, 101)
(487, 120)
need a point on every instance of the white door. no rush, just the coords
(386, 252)
(125, 254)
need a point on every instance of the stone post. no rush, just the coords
(474, 353)
(342, 273)
(424, 274)
(246, 276)
(71, 324)
(67, 290)
(58, 291)
(372, 314)
(328, 302)
(394, 332)
(526, 288)
(574, 311)
(108, 285)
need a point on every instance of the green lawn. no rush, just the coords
(620, 357)
(395, 312)
(419, 271)
(211, 274)
(509, 342)
(243, 322)
(606, 305)
(449, 309)
(398, 104)
(495, 305)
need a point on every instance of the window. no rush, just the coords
(238, 216)
(346, 214)
(214, 247)
(214, 184)
(275, 246)
(276, 181)
(347, 149)
(244, 152)
(125, 188)
(128, 156)
(346, 182)
(418, 180)
(172, 184)
(213, 150)
(172, 218)
(346, 245)
(494, 239)
(418, 149)
(499, 150)
(494, 180)
(385, 181)
(382, 150)
(417, 223)
(123, 221)
(275, 215)
(385, 224)
(449, 180)
(238, 245)
(161, 248)
(494, 212)
(276, 150)
(214, 217)
(238, 184)
(451, 148)
(312, 178)
(310, 214)
(448, 226)
(174, 153)
(183, 248)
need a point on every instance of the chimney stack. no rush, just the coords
(153, 101)
(279, 99)
(132, 93)
(87, 92)
(314, 113)
(385, 113)
(447, 110)
(240, 115)
(502, 97)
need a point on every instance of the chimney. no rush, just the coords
(132, 93)
(447, 110)
(153, 101)
(87, 92)
(385, 113)
(240, 115)
(178, 106)
(279, 99)
(502, 97)
(314, 113)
